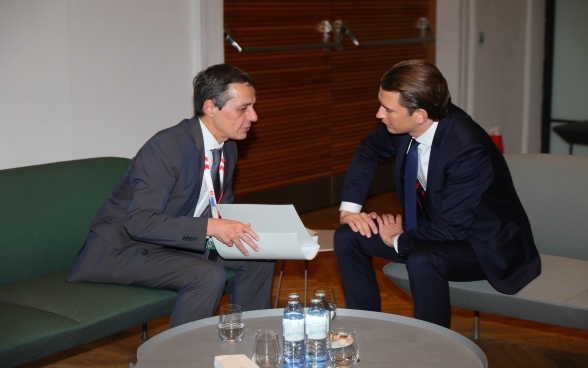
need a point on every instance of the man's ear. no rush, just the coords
(421, 116)
(209, 108)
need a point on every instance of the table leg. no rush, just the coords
(279, 284)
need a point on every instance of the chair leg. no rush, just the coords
(476, 325)
(279, 284)
(144, 335)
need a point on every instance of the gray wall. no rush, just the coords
(570, 74)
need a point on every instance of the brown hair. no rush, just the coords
(421, 86)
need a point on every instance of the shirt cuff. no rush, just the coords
(351, 207)
(395, 242)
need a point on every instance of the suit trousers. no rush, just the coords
(200, 283)
(430, 265)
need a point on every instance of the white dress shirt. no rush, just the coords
(209, 143)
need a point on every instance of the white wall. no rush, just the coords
(497, 80)
(87, 78)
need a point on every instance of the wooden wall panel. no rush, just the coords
(357, 70)
(314, 106)
(291, 140)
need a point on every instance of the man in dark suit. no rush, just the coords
(464, 222)
(156, 229)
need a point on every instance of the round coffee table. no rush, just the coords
(385, 340)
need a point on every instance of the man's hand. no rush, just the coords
(390, 227)
(231, 232)
(360, 222)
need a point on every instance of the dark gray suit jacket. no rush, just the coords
(153, 206)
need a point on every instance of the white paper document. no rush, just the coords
(234, 361)
(281, 232)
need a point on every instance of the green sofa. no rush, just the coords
(45, 213)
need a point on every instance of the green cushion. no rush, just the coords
(47, 314)
(47, 211)
(29, 331)
(45, 216)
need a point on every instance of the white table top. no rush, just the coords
(385, 340)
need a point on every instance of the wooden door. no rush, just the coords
(314, 104)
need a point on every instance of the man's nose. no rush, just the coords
(253, 115)
(380, 114)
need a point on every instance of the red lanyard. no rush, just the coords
(211, 195)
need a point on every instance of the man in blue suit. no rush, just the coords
(465, 222)
(158, 224)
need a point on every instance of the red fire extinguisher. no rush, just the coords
(497, 138)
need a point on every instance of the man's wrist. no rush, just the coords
(350, 207)
(395, 242)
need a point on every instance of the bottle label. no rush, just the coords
(316, 327)
(293, 329)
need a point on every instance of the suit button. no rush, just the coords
(145, 252)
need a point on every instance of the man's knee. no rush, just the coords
(341, 238)
(217, 276)
(265, 267)
(255, 269)
(210, 275)
(422, 260)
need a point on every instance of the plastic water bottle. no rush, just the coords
(293, 333)
(323, 297)
(316, 322)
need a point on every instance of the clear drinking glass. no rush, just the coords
(330, 297)
(266, 349)
(343, 349)
(231, 327)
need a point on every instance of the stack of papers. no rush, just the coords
(281, 232)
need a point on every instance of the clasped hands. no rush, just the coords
(231, 232)
(388, 225)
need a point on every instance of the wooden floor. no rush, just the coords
(507, 342)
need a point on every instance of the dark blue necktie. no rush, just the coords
(410, 179)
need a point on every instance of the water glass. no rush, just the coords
(231, 327)
(343, 349)
(266, 349)
(330, 298)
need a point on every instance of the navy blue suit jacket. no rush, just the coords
(470, 196)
